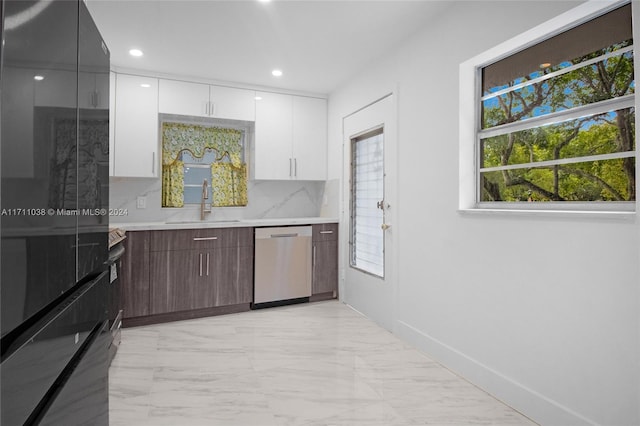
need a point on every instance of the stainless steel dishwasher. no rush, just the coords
(282, 265)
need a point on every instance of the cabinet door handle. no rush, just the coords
(295, 167)
(204, 238)
(314, 256)
(290, 167)
(207, 264)
(153, 163)
(212, 108)
(200, 264)
(326, 232)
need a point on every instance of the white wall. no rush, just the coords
(543, 312)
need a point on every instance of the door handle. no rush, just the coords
(385, 226)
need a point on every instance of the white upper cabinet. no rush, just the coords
(183, 98)
(273, 137)
(136, 126)
(93, 90)
(203, 100)
(59, 88)
(290, 138)
(231, 103)
(290, 131)
(310, 138)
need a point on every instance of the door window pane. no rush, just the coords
(367, 190)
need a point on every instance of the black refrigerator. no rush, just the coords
(54, 140)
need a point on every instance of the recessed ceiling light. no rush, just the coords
(264, 1)
(276, 73)
(136, 52)
(145, 85)
(258, 98)
(38, 77)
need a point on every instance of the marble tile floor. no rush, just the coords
(319, 364)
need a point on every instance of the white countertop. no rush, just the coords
(221, 223)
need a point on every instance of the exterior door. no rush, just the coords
(369, 243)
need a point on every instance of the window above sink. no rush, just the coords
(196, 151)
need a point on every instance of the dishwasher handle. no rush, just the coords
(269, 233)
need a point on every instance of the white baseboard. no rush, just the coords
(527, 401)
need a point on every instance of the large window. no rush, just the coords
(367, 195)
(556, 121)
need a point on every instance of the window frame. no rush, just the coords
(470, 117)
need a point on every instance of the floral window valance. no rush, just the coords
(228, 176)
(178, 137)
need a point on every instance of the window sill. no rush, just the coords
(618, 215)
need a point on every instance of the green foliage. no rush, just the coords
(604, 180)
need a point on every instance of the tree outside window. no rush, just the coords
(558, 119)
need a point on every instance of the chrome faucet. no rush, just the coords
(205, 196)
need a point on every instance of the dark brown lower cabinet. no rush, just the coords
(176, 282)
(233, 271)
(134, 275)
(180, 274)
(325, 260)
(183, 280)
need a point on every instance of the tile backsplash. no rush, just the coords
(267, 199)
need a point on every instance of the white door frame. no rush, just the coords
(372, 296)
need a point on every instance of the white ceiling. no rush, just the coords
(317, 44)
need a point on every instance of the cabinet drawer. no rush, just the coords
(325, 232)
(193, 239)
